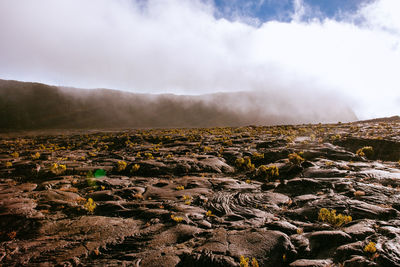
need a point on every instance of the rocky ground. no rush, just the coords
(203, 197)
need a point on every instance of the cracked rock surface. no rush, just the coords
(202, 197)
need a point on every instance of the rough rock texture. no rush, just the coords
(190, 197)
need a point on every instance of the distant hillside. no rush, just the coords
(385, 119)
(27, 106)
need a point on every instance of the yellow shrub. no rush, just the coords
(187, 199)
(244, 262)
(366, 151)
(257, 156)
(90, 205)
(207, 149)
(332, 218)
(58, 169)
(176, 218)
(254, 263)
(121, 165)
(228, 143)
(148, 155)
(370, 248)
(269, 173)
(135, 168)
(295, 158)
(244, 164)
(180, 187)
(35, 156)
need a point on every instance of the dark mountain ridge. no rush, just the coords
(384, 120)
(29, 106)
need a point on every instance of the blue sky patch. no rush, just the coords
(282, 10)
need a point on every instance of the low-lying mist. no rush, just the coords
(39, 106)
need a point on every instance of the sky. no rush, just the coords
(347, 48)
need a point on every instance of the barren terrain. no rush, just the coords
(305, 195)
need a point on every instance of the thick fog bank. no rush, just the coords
(38, 106)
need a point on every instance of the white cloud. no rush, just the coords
(299, 10)
(179, 46)
(382, 15)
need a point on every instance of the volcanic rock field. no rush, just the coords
(304, 195)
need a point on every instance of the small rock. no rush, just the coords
(311, 263)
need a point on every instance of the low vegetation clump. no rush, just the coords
(209, 213)
(257, 156)
(90, 205)
(295, 159)
(135, 168)
(180, 187)
(58, 169)
(148, 155)
(330, 216)
(207, 149)
(228, 143)
(187, 199)
(177, 219)
(366, 151)
(245, 262)
(89, 175)
(370, 248)
(92, 154)
(244, 164)
(35, 156)
(268, 172)
(121, 165)
(328, 163)
(91, 182)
